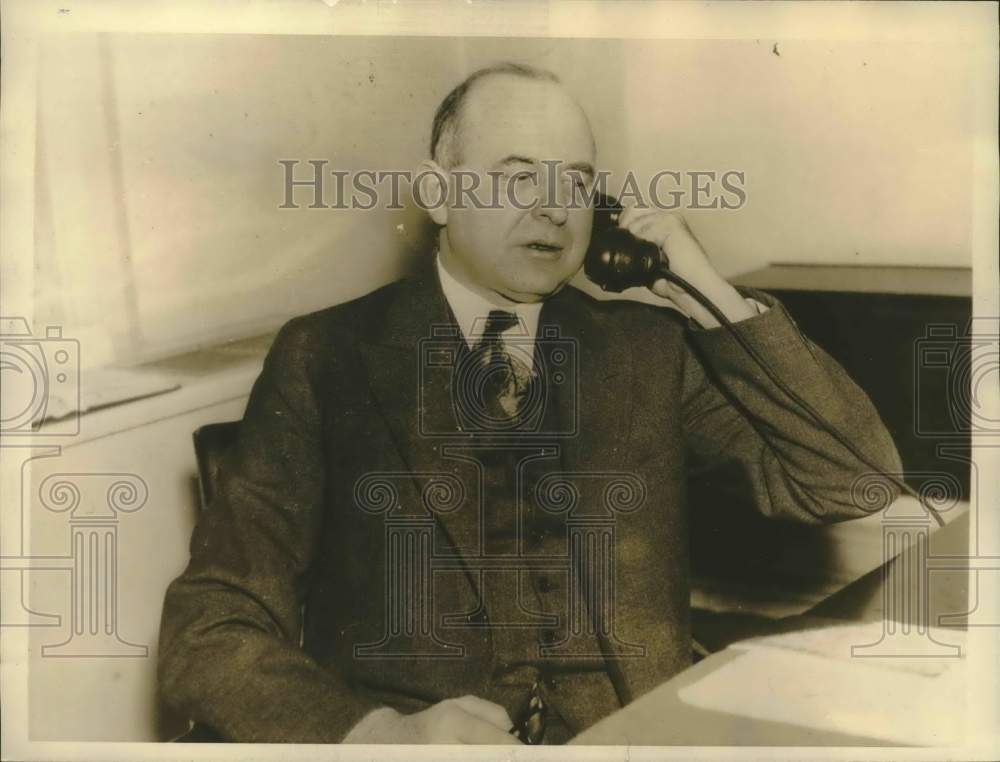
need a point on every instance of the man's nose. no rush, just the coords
(551, 204)
(556, 214)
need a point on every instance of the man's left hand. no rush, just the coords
(687, 258)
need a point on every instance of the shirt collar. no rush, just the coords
(472, 308)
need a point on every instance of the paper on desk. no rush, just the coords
(810, 679)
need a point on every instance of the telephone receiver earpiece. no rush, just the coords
(616, 259)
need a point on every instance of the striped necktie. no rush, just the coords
(502, 379)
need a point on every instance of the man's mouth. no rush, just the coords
(544, 247)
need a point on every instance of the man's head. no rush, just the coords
(507, 120)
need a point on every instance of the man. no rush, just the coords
(419, 517)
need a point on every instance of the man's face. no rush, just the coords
(509, 126)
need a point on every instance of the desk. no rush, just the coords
(694, 708)
(753, 694)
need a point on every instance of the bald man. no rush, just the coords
(422, 534)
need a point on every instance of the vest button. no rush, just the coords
(544, 585)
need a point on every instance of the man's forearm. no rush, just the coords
(797, 467)
(221, 665)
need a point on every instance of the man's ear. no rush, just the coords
(432, 190)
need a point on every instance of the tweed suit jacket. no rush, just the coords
(344, 394)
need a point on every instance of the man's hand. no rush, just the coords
(468, 719)
(688, 259)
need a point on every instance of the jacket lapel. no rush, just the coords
(595, 405)
(408, 358)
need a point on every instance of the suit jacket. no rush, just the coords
(343, 395)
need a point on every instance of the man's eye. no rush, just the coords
(577, 183)
(523, 176)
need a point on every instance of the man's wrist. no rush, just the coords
(725, 298)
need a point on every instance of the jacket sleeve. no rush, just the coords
(229, 638)
(737, 420)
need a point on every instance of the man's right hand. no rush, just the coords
(468, 719)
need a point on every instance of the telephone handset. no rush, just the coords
(616, 259)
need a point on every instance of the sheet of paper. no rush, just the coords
(810, 679)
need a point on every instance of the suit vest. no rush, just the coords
(526, 598)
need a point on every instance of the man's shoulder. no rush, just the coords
(345, 320)
(626, 314)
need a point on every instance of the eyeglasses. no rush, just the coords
(529, 725)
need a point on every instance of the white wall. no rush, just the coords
(159, 227)
(854, 152)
